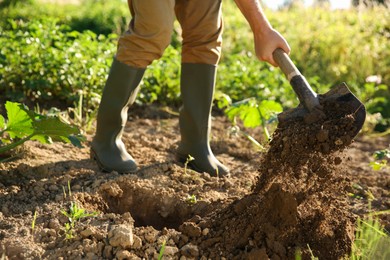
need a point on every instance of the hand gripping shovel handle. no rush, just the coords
(301, 87)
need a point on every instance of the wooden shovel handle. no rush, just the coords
(285, 63)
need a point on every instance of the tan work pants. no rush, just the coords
(151, 28)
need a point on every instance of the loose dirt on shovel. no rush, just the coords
(274, 203)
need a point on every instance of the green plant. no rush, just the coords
(189, 159)
(371, 241)
(34, 221)
(43, 62)
(162, 249)
(191, 199)
(74, 214)
(254, 113)
(23, 125)
(62, 55)
(381, 159)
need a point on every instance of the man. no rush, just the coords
(148, 35)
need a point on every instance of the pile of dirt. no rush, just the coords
(271, 206)
(299, 191)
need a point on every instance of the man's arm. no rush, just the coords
(266, 38)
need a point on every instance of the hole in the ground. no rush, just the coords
(151, 207)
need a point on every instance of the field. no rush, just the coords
(55, 203)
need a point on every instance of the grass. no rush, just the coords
(74, 214)
(34, 221)
(162, 249)
(189, 159)
(371, 241)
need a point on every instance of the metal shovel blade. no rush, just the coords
(342, 103)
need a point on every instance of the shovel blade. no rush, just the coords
(343, 103)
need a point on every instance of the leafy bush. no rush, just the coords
(100, 17)
(41, 61)
(329, 47)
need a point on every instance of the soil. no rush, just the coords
(305, 193)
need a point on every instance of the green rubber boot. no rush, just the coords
(197, 90)
(119, 93)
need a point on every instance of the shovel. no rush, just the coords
(310, 109)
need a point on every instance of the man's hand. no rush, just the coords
(267, 40)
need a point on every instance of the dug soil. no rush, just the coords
(303, 196)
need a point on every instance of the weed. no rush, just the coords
(191, 199)
(34, 221)
(371, 241)
(69, 190)
(381, 158)
(312, 257)
(162, 249)
(74, 214)
(189, 159)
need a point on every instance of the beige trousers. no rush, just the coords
(151, 28)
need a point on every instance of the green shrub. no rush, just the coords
(41, 61)
(100, 17)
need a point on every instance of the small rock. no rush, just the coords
(170, 250)
(87, 232)
(5, 210)
(127, 216)
(256, 254)
(76, 187)
(55, 224)
(50, 232)
(53, 187)
(190, 250)
(322, 135)
(112, 189)
(58, 197)
(124, 254)
(338, 142)
(122, 235)
(337, 160)
(190, 229)
(91, 256)
(205, 231)
(137, 242)
(107, 252)
(151, 237)
(24, 231)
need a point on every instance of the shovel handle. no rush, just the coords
(285, 64)
(305, 93)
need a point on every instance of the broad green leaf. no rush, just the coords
(2, 122)
(251, 117)
(53, 127)
(19, 121)
(269, 108)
